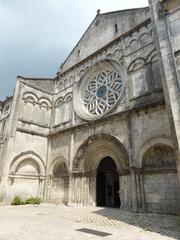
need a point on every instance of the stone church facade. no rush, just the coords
(106, 130)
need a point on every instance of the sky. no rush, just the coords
(36, 36)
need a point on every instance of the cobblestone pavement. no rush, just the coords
(49, 221)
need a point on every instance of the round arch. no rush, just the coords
(58, 173)
(97, 147)
(157, 158)
(25, 156)
(26, 175)
(164, 140)
(56, 161)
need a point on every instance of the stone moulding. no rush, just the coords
(32, 132)
(100, 145)
(32, 123)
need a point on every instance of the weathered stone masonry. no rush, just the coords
(105, 130)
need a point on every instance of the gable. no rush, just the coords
(105, 28)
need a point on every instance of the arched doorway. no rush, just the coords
(87, 167)
(107, 184)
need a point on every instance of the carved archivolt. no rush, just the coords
(58, 167)
(95, 148)
(159, 156)
(156, 140)
(43, 102)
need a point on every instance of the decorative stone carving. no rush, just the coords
(32, 98)
(159, 156)
(102, 92)
(65, 81)
(99, 90)
(97, 147)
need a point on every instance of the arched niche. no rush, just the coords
(28, 157)
(28, 167)
(26, 176)
(60, 169)
(59, 181)
(159, 156)
(155, 140)
(161, 186)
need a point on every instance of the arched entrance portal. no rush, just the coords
(107, 184)
(98, 165)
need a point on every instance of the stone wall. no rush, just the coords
(162, 193)
(60, 129)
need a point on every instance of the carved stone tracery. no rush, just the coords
(103, 92)
(99, 90)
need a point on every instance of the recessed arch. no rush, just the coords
(55, 162)
(68, 97)
(159, 156)
(152, 56)
(59, 177)
(160, 178)
(149, 143)
(30, 95)
(26, 175)
(59, 101)
(26, 156)
(97, 147)
(136, 64)
(45, 101)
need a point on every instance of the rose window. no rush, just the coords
(99, 90)
(102, 92)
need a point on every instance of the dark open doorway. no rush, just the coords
(107, 184)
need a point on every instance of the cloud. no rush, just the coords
(36, 36)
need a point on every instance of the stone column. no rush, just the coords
(133, 189)
(140, 186)
(70, 197)
(41, 187)
(49, 180)
(92, 188)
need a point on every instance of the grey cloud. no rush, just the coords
(36, 36)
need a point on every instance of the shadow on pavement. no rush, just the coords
(166, 225)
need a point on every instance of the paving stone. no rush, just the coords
(60, 222)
